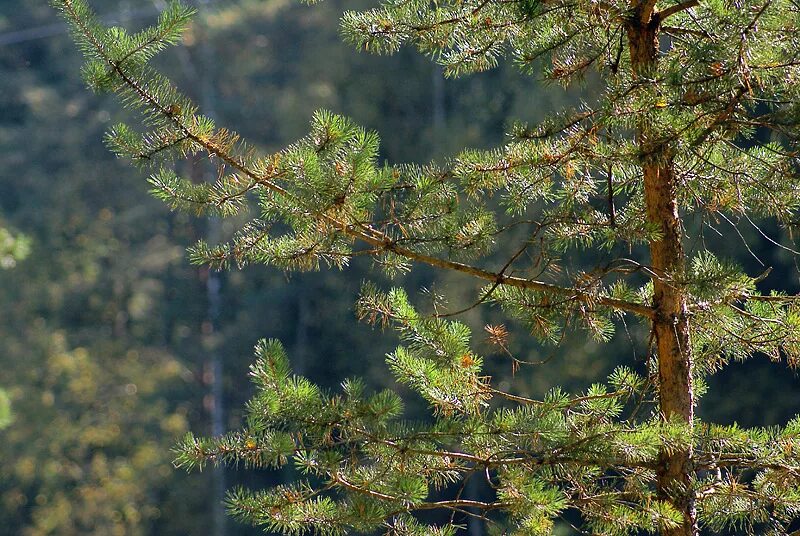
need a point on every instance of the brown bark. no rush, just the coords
(670, 323)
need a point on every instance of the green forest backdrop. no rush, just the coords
(105, 342)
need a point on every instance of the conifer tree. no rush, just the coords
(697, 122)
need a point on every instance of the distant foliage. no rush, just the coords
(13, 248)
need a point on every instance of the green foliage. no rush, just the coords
(12, 248)
(84, 435)
(545, 456)
(6, 416)
(97, 399)
(107, 263)
(583, 183)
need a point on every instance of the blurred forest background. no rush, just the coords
(107, 337)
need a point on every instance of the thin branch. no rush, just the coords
(677, 8)
(488, 293)
(462, 503)
(676, 30)
(612, 213)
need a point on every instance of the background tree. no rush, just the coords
(622, 173)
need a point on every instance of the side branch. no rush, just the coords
(677, 8)
(500, 279)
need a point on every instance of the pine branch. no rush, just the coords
(462, 503)
(358, 231)
(687, 31)
(677, 8)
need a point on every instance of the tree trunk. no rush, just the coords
(668, 260)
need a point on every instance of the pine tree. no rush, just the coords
(697, 123)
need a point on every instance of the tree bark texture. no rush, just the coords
(670, 325)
